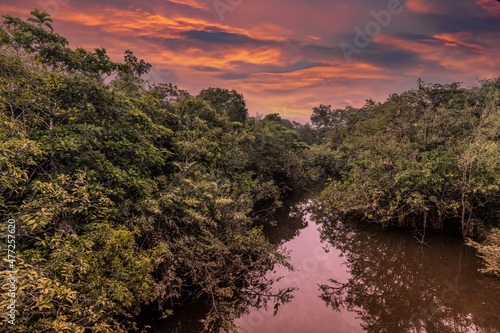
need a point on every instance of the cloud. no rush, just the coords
(269, 31)
(141, 23)
(244, 69)
(284, 54)
(220, 37)
(450, 53)
(491, 6)
(191, 3)
(422, 6)
(464, 39)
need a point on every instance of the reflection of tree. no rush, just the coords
(398, 285)
(258, 292)
(285, 223)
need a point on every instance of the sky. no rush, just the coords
(287, 56)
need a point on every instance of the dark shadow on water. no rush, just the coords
(286, 222)
(186, 319)
(400, 285)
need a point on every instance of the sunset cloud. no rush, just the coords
(460, 39)
(452, 52)
(422, 6)
(491, 6)
(192, 3)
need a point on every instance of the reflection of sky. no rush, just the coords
(395, 282)
(306, 312)
(284, 55)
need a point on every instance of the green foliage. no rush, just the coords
(276, 154)
(17, 157)
(426, 155)
(127, 194)
(227, 101)
(489, 250)
(83, 282)
(323, 162)
(426, 158)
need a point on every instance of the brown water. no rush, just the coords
(359, 278)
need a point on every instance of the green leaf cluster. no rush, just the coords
(127, 193)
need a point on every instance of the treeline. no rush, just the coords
(127, 194)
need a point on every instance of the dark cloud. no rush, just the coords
(446, 23)
(256, 68)
(206, 69)
(411, 36)
(387, 57)
(245, 69)
(233, 76)
(221, 38)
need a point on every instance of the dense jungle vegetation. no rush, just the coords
(130, 195)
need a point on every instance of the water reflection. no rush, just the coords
(261, 294)
(192, 318)
(374, 280)
(352, 277)
(399, 285)
(314, 263)
(286, 223)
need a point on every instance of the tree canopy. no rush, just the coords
(128, 193)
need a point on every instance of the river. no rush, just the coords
(356, 277)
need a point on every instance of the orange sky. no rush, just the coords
(289, 56)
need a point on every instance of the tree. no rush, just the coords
(228, 101)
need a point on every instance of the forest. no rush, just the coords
(131, 196)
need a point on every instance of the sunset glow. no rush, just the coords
(285, 56)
